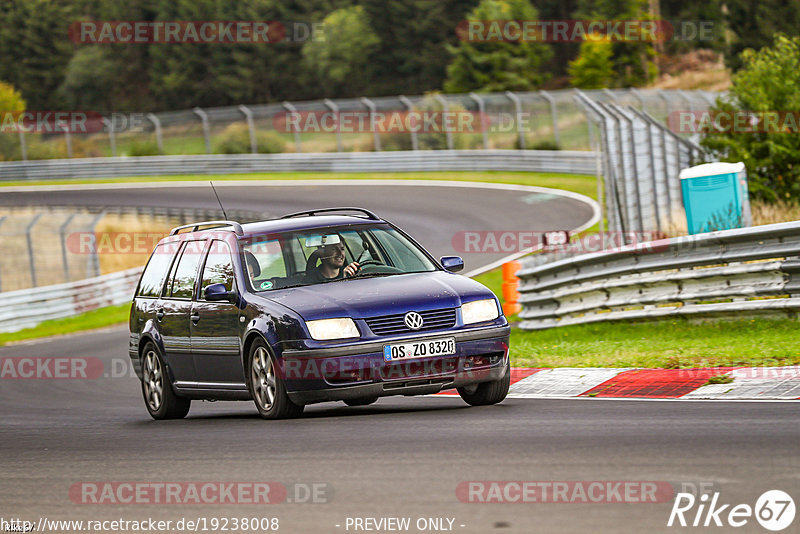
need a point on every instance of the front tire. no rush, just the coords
(487, 393)
(159, 397)
(266, 385)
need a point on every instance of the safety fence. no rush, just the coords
(553, 161)
(29, 307)
(509, 120)
(61, 244)
(732, 272)
(641, 161)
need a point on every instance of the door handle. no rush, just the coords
(159, 314)
(195, 317)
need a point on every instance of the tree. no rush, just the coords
(769, 80)
(340, 59)
(10, 101)
(593, 68)
(754, 24)
(35, 48)
(504, 65)
(633, 60)
(90, 80)
(412, 55)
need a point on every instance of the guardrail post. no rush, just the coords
(518, 107)
(111, 137)
(376, 140)
(206, 130)
(484, 122)
(291, 109)
(335, 110)
(445, 108)
(29, 239)
(407, 103)
(23, 149)
(251, 128)
(553, 114)
(157, 125)
(62, 234)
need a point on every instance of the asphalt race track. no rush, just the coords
(398, 457)
(434, 215)
(401, 457)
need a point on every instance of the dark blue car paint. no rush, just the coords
(279, 316)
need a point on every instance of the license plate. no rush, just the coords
(419, 349)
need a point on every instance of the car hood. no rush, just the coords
(369, 297)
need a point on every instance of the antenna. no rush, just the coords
(218, 200)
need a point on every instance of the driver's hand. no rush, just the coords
(352, 269)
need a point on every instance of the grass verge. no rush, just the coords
(668, 344)
(584, 185)
(91, 320)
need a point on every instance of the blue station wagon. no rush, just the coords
(334, 304)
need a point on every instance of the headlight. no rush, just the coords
(325, 329)
(479, 311)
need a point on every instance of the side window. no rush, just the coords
(269, 256)
(182, 284)
(156, 270)
(218, 268)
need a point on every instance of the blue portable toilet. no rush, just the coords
(715, 197)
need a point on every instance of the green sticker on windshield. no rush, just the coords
(266, 285)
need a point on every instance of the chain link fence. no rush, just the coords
(53, 245)
(510, 120)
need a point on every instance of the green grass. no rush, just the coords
(668, 344)
(584, 185)
(99, 318)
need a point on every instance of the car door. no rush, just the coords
(215, 325)
(175, 307)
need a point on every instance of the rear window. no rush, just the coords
(156, 271)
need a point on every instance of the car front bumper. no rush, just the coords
(359, 370)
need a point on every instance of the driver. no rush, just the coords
(332, 257)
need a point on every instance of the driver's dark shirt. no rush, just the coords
(315, 276)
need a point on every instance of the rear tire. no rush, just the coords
(159, 397)
(365, 401)
(487, 393)
(266, 385)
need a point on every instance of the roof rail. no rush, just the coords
(237, 228)
(368, 213)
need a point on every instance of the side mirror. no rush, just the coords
(218, 292)
(452, 263)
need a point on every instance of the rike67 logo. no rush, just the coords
(774, 510)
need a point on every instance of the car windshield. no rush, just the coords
(324, 255)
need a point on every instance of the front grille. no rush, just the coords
(387, 325)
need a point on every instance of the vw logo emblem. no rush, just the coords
(413, 320)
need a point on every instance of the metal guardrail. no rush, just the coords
(29, 307)
(751, 270)
(557, 161)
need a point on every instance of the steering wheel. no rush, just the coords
(369, 262)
